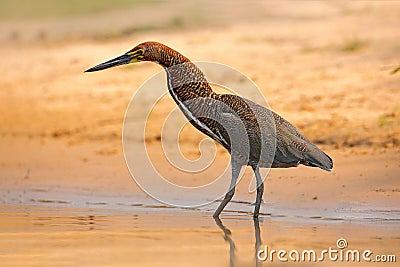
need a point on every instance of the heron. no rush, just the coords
(186, 83)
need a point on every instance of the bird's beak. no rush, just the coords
(126, 58)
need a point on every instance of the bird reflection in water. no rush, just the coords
(232, 247)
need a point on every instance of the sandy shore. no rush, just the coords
(68, 199)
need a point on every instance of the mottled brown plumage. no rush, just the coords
(272, 141)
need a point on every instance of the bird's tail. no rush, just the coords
(317, 158)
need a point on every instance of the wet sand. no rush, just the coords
(69, 237)
(66, 195)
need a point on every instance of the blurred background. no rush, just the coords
(332, 60)
(49, 20)
(327, 67)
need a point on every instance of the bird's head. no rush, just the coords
(136, 54)
(147, 51)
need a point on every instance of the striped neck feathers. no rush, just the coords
(185, 79)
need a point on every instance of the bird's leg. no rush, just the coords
(260, 190)
(235, 174)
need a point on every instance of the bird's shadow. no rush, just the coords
(232, 247)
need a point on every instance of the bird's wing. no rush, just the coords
(291, 146)
(253, 127)
(235, 133)
(259, 134)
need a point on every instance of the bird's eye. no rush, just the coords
(140, 52)
(137, 53)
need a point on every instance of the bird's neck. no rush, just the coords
(169, 57)
(185, 80)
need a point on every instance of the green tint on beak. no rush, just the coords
(130, 57)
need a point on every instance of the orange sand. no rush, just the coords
(66, 196)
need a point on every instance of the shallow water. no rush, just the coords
(155, 236)
(378, 210)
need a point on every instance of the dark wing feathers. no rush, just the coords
(295, 145)
(292, 147)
